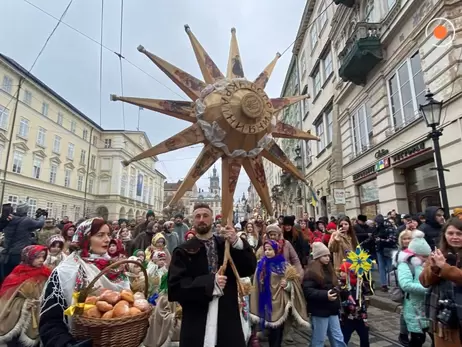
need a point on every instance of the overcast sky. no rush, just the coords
(70, 63)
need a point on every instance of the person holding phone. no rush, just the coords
(322, 298)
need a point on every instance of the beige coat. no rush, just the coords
(340, 248)
(164, 324)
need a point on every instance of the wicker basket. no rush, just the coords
(126, 331)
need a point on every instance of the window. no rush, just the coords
(67, 178)
(329, 122)
(53, 173)
(145, 192)
(70, 151)
(27, 97)
(57, 144)
(361, 124)
(41, 137)
(322, 15)
(303, 64)
(4, 117)
(13, 200)
(313, 36)
(32, 207)
(23, 128)
(63, 210)
(73, 126)
(17, 161)
(83, 155)
(93, 162)
(77, 213)
(308, 153)
(316, 83)
(80, 182)
(320, 134)
(95, 140)
(90, 185)
(7, 85)
(85, 134)
(370, 12)
(37, 168)
(45, 107)
(107, 143)
(60, 118)
(327, 63)
(123, 185)
(406, 89)
(50, 209)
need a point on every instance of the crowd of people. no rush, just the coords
(284, 273)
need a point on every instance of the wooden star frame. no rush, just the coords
(233, 117)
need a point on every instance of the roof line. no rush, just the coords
(29, 76)
(304, 22)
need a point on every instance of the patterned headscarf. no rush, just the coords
(82, 236)
(30, 253)
(55, 238)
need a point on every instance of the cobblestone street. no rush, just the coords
(384, 330)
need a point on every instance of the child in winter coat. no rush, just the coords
(158, 244)
(353, 309)
(404, 239)
(410, 266)
(136, 276)
(157, 267)
(56, 254)
(322, 301)
(276, 294)
(19, 299)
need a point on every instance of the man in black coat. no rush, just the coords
(193, 281)
(434, 221)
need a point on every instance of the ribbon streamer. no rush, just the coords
(70, 311)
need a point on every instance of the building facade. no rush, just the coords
(387, 156)
(56, 158)
(212, 197)
(184, 205)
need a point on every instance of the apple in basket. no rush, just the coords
(111, 304)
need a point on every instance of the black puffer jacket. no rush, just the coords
(315, 291)
(431, 228)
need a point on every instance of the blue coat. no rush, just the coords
(414, 294)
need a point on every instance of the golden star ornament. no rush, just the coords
(233, 117)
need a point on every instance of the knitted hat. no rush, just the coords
(22, 209)
(179, 215)
(331, 226)
(150, 213)
(273, 228)
(457, 211)
(418, 245)
(319, 250)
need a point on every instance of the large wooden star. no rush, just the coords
(232, 116)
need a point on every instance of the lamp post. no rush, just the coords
(298, 157)
(431, 111)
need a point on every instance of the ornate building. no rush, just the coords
(212, 197)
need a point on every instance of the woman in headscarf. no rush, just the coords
(91, 243)
(19, 296)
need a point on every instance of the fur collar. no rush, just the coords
(403, 256)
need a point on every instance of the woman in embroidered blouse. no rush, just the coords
(91, 240)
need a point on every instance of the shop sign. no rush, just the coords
(382, 164)
(339, 196)
(409, 152)
(366, 172)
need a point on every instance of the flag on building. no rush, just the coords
(314, 198)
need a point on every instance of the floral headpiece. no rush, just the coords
(29, 253)
(82, 236)
(55, 238)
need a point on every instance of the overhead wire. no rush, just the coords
(101, 66)
(106, 48)
(60, 20)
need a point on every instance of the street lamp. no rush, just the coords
(431, 111)
(298, 157)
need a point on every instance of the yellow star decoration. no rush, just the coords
(360, 260)
(233, 117)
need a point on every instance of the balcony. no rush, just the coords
(347, 3)
(362, 52)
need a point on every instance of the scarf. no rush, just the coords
(25, 271)
(266, 266)
(103, 261)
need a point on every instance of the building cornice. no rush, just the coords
(304, 23)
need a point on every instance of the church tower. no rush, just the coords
(214, 187)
